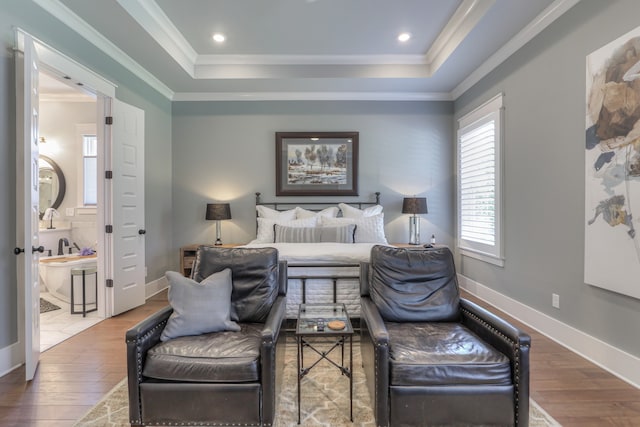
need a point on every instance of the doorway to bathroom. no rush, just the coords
(68, 200)
(120, 193)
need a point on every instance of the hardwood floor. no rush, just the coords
(74, 375)
(574, 391)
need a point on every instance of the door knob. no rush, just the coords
(17, 251)
(38, 249)
(142, 231)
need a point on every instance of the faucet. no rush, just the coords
(60, 242)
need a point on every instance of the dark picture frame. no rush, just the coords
(317, 163)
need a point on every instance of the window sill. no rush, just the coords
(482, 256)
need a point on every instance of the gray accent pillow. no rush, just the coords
(284, 234)
(344, 234)
(199, 308)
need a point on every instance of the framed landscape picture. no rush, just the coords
(316, 163)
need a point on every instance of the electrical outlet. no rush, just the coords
(555, 300)
(71, 212)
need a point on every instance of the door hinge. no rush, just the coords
(108, 174)
(109, 283)
(108, 229)
(108, 120)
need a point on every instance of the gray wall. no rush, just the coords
(225, 151)
(544, 87)
(132, 90)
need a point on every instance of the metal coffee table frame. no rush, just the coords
(312, 323)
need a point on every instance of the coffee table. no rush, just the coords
(313, 329)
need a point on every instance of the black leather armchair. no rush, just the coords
(220, 378)
(432, 358)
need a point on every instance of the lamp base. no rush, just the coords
(218, 234)
(414, 230)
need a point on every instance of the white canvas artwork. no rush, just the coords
(612, 181)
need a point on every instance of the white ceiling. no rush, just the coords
(309, 49)
(60, 89)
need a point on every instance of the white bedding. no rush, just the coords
(321, 290)
(303, 253)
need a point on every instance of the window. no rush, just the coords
(479, 183)
(90, 170)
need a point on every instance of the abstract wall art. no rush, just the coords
(612, 157)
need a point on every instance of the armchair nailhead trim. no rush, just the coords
(516, 350)
(137, 342)
(377, 375)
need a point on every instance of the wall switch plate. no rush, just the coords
(71, 212)
(555, 300)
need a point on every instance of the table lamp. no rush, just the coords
(414, 206)
(218, 212)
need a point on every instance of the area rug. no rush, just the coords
(46, 306)
(325, 399)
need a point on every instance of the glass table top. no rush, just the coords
(323, 319)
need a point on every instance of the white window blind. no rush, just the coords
(90, 169)
(479, 171)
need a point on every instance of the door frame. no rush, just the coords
(55, 62)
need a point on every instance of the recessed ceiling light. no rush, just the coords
(403, 37)
(218, 37)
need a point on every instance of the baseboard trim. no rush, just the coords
(155, 287)
(11, 357)
(614, 360)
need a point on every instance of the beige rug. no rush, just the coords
(325, 399)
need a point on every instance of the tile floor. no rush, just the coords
(58, 325)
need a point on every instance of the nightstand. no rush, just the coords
(188, 256)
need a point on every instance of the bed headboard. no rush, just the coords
(316, 206)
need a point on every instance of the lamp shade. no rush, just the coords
(414, 205)
(218, 211)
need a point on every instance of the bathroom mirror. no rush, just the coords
(51, 183)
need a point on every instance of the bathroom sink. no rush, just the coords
(66, 258)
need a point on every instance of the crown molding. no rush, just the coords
(310, 60)
(464, 19)
(73, 21)
(312, 96)
(535, 27)
(153, 19)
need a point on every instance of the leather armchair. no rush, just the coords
(432, 358)
(220, 378)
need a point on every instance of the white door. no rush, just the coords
(127, 156)
(27, 214)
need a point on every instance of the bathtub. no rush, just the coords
(55, 275)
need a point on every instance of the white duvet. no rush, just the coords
(318, 253)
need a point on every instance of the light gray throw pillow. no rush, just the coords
(344, 234)
(199, 308)
(283, 234)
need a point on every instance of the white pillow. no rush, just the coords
(369, 229)
(265, 212)
(349, 211)
(265, 227)
(330, 212)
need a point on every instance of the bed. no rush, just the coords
(323, 244)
